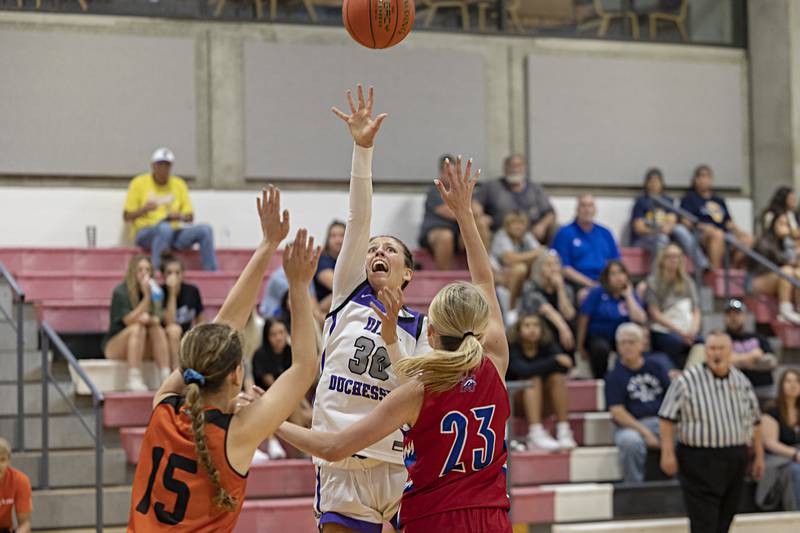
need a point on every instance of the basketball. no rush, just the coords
(378, 23)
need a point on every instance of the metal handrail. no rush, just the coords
(19, 328)
(730, 239)
(49, 336)
(511, 388)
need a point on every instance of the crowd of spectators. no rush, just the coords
(573, 310)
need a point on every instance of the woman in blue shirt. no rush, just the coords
(604, 309)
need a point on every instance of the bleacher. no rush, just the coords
(70, 288)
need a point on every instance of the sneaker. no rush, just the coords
(539, 439)
(565, 439)
(787, 313)
(517, 446)
(135, 381)
(275, 450)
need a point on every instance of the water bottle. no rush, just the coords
(157, 296)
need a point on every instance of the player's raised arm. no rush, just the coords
(257, 421)
(349, 271)
(243, 296)
(457, 195)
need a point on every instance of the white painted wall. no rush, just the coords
(59, 216)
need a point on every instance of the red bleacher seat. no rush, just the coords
(636, 260)
(716, 280)
(764, 308)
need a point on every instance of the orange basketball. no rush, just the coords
(378, 23)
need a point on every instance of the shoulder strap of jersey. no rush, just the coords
(350, 296)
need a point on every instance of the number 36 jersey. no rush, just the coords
(171, 488)
(356, 371)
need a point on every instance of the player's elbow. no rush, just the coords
(333, 452)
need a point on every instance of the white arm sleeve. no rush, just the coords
(350, 270)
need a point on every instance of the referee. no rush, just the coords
(716, 412)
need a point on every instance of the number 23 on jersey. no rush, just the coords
(457, 424)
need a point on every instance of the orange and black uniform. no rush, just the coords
(172, 490)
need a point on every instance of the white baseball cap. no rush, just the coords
(163, 154)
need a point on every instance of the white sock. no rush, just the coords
(786, 308)
(535, 428)
(562, 426)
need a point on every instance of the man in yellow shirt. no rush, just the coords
(159, 208)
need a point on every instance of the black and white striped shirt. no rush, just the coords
(711, 412)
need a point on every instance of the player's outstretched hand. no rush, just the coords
(362, 126)
(273, 226)
(300, 259)
(392, 300)
(456, 189)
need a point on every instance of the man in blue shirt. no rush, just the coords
(585, 246)
(634, 392)
(713, 217)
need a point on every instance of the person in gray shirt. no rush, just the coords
(515, 192)
(439, 232)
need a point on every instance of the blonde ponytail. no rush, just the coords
(209, 353)
(459, 314)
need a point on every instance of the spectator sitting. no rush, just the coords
(275, 291)
(673, 305)
(158, 205)
(135, 323)
(634, 391)
(439, 232)
(545, 294)
(713, 217)
(585, 246)
(15, 494)
(781, 431)
(534, 356)
(515, 192)
(272, 359)
(183, 306)
(752, 353)
(613, 303)
(777, 246)
(323, 279)
(652, 226)
(515, 249)
(783, 201)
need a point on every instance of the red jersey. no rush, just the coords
(456, 452)
(171, 489)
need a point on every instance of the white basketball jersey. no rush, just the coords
(355, 370)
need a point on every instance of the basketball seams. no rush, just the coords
(396, 12)
(371, 33)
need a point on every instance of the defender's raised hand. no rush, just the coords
(457, 191)
(362, 126)
(273, 226)
(300, 259)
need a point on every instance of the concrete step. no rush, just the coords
(780, 522)
(529, 505)
(65, 431)
(8, 335)
(74, 468)
(33, 399)
(31, 363)
(71, 508)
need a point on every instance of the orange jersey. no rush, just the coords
(15, 491)
(171, 489)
